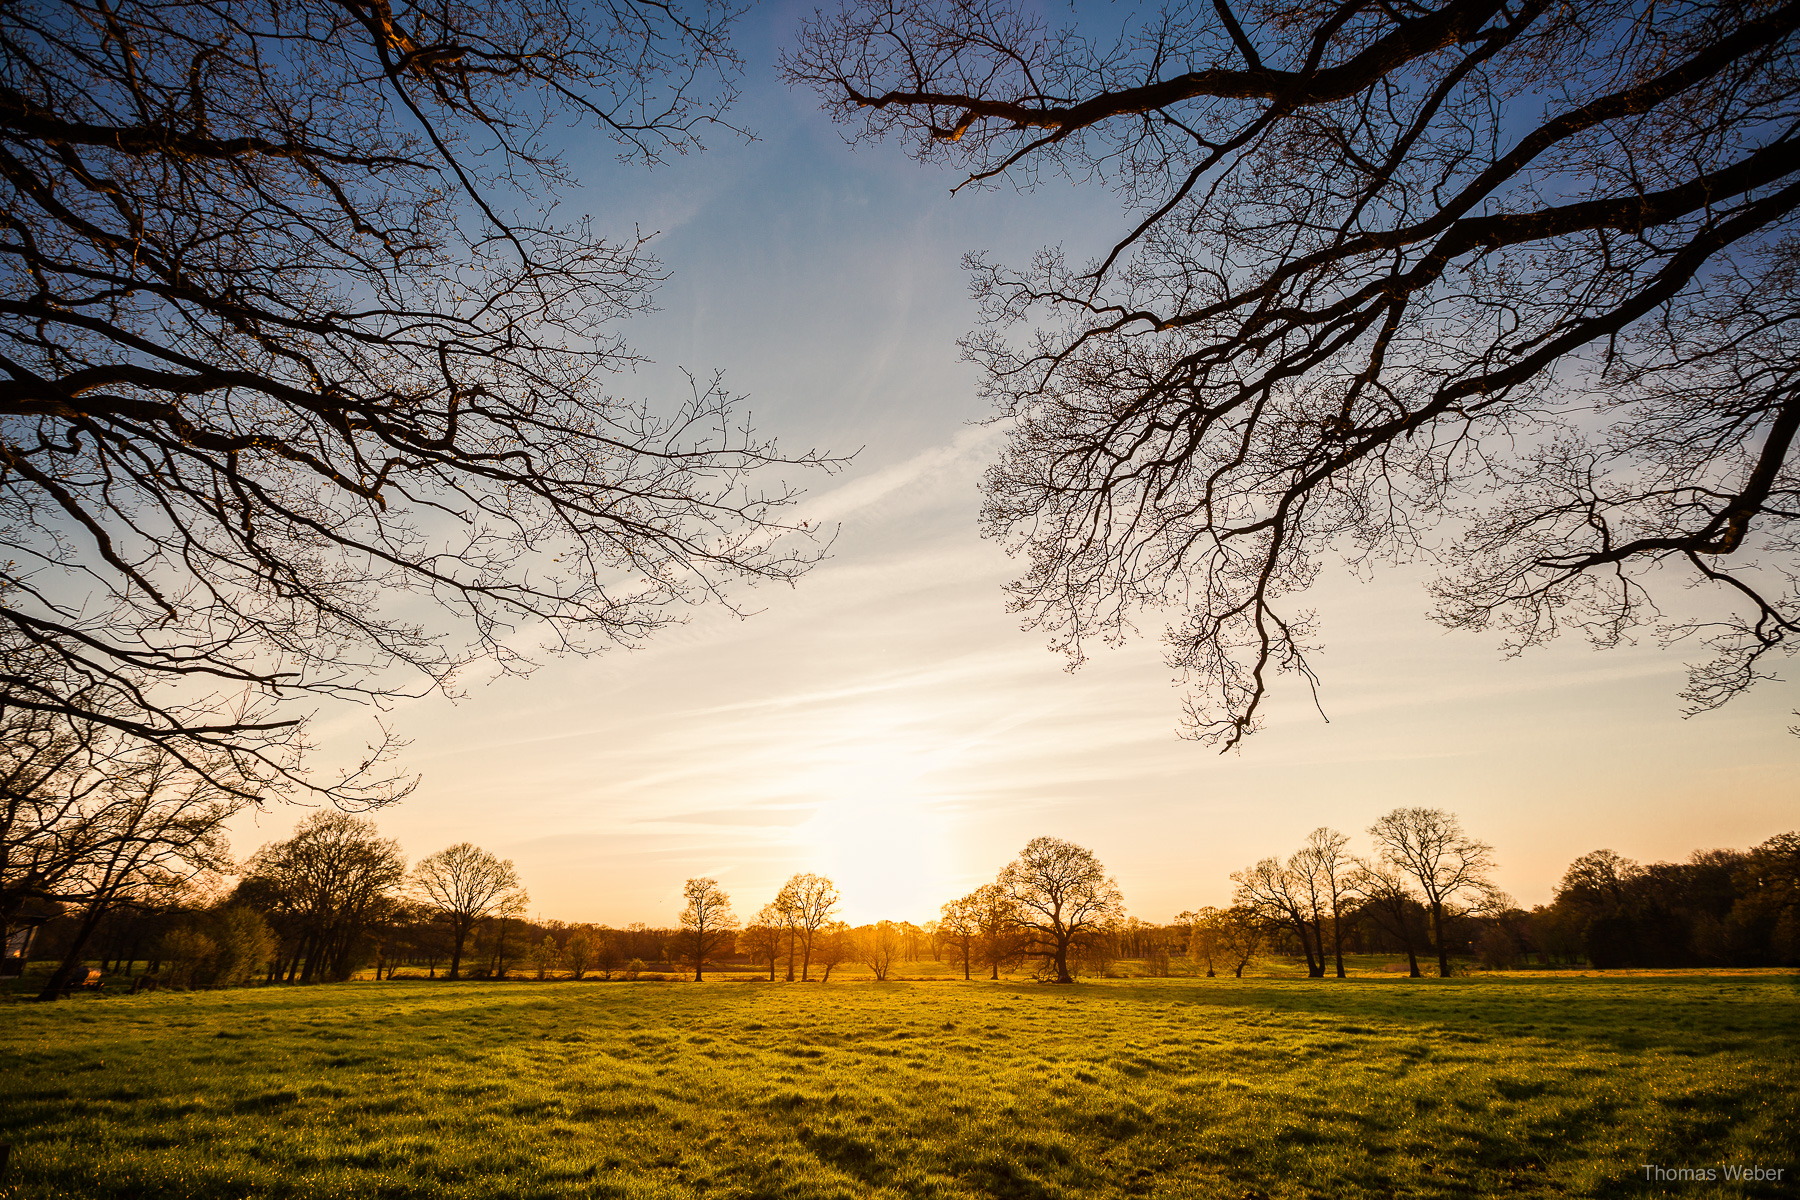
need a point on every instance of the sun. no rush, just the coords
(881, 834)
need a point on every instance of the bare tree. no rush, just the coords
(578, 954)
(960, 928)
(1358, 291)
(1450, 867)
(1283, 896)
(466, 884)
(1059, 892)
(808, 902)
(546, 956)
(876, 947)
(149, 827)
(764, 936)
(1327, 861)
(607, 951)
(1389, 899)
(55, 772)
(294, 361)
(1240, 937)
(1203, 937)
(334, 876)
(706, 922)
(508, 908)
(834, 945)
(996, 918)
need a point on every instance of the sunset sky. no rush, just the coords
(887, 723)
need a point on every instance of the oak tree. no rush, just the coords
(1451, 869)
(808, 903)
(307, 391)
(466, 884)
(1059, 892)
(706, 922)
(1507, 287)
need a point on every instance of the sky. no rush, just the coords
(887, 723)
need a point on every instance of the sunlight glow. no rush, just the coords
(878, 831)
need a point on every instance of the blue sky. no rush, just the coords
(886, 721)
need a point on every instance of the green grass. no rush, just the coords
(1528, 1085)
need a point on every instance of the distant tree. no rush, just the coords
(706, 922)
(467, 884)
(245, 943)
(511, 907)
(1059, 891)
(1451, 868)
(546, 956)
(1240, 937)
(833, 946)
(1203, 937)
(1001, 937)
(1284, 896)
(808, 902)
(1504, 939)
(1091, 952)
(764, 936)
(1719, 908)
(578, 953)
(607, 951)
(877, 946)
(912, 940)
(216, 946)
(186, 950)
(1329, 866)
(1597, 879)
(960, 929)
(335, 875)
(416, 932)
(1388, 899)
(1767, 903)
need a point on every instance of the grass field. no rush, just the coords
(1498, 1085)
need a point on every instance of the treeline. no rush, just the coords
(336, 898)
(1721, 908)
(1426, 891)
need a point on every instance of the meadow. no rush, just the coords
(1517, 1084)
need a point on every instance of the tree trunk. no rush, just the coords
(1337, 942)
(462, 936)
(1437, 929)
(1314, 970)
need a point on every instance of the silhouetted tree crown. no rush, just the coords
(306, 390)
(1057, 892)
(1521, 269)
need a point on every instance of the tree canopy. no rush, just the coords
(306, 391)
(1509, 287)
